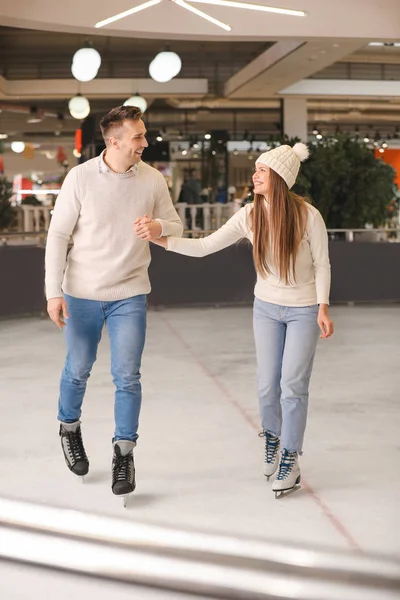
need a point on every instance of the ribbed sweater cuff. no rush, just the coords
(53, 290)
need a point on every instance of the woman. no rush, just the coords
(290, 249)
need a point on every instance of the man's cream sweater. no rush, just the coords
(96, 208)
(313, 271)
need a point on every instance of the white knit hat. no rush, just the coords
(285, 161)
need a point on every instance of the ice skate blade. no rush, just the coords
(280, 493)
(124, 498)
(283, 493)
(80, 478)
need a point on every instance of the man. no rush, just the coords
(191, 189)
(104, 280)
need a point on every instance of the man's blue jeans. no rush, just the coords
(126, 325)
(286, 339)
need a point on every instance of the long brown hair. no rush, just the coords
(278, 230)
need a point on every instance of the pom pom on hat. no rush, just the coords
(301, 151)
(285, 161)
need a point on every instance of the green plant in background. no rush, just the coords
(6, 210)
(348, 185)
(31, 201)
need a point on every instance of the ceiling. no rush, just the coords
(362, 19)
(233, 81)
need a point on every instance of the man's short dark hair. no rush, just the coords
(117, 116)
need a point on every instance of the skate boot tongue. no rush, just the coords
(71, 426)
(123, 447)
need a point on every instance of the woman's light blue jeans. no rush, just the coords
(286, 339)
(126, 325)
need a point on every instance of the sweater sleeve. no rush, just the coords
(320, 257)
(164, 211)
(233, 230)
(65, 216)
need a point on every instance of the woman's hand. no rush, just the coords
(324, 321)
(147, 229)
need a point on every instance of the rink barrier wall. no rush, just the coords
(361, 272)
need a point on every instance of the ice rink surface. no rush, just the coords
(199, 460)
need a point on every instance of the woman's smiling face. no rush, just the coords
(260, 179)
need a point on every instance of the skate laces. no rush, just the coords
(122, 467)
(286, 464)
(75, 445)
(271, 446)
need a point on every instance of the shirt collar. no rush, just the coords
(104, 168)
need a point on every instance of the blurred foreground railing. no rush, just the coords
(38, 238)
(213, 566)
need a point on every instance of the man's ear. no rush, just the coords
(114, 142)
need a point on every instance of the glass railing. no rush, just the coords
(213, 566)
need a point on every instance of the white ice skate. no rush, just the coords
(288, 478)
(73, 449)
(271, 459)
(123, 470)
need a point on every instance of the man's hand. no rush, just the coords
(147, 229)
(57, 307)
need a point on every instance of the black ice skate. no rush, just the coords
(73, 449)
(271, 459)
(123, 469)
(288, 478)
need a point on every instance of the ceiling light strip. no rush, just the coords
(127, 13)
(259, 7)
(204, 15)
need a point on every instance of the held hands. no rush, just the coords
(149, 230)
(324, 322)
(58, 312)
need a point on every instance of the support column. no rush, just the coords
(295, 118)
